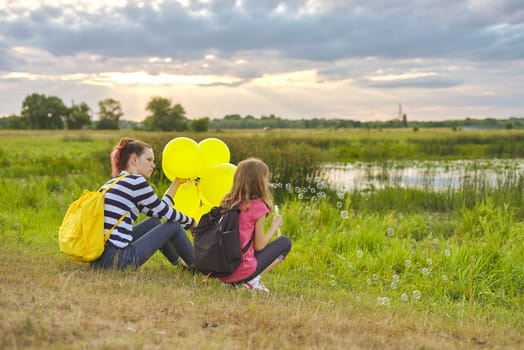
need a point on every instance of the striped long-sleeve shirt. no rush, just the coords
(133, 195)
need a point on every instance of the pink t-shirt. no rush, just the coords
(247, 220)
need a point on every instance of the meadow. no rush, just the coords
(391, 268)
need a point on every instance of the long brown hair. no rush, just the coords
(250, 182)
(123, 150)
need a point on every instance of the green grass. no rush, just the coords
(392, 268)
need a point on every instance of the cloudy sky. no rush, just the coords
(439, 59)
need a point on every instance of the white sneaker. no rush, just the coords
(255, 284)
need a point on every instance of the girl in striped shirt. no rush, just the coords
(132, 245)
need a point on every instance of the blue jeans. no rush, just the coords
(149, 236)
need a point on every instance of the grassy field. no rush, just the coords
(394, 269)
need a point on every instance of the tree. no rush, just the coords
(233, 117)
(110, 112)
(78, 117)
(44, 112)
(179, 115)
(165, 117)
(14, 122)
(159, 118)
(200, 125)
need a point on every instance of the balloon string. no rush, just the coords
(196, 180)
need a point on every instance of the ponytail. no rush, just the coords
(122, 151)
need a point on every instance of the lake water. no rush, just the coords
(433, 175)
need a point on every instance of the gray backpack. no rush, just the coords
(217, 242)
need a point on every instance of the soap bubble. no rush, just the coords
(447, 252)
(390, 232)
(416, 294)
(425, 271)
(429, 261)
(374, 277)
(340, 195)
(445, 278)
(344, 214)
(308, 209)
(393, 285)
(360, 253)
(408, 263)
(300, 196)
(404, 297)
(339, 205)
(383, 301)
(395, 278)
(332, 283)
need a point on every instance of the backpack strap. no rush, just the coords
(113, 183)
(246, 247)
(243, 250)
(108, 234)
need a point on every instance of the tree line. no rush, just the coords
(236, 121)
(49, 112)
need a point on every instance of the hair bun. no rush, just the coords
(124, 142)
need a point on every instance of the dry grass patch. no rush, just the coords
(50, 302)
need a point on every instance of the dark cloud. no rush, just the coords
(7, 60)
(431, 82)
(45, 15)
(342, 29)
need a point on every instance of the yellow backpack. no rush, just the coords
(81, 234)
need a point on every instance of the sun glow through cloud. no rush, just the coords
(135, 78)
(405, 76)
(144, 78)
(301, 78)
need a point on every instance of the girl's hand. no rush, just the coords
(181, 180)
(171, 190)
(277, 222)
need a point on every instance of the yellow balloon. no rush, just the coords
(213, 151)
(187, 199)
(181, 158)
(216, 182)
(204, 209)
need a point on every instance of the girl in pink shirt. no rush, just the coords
(250, 191)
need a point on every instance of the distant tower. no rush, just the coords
(402, 117)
